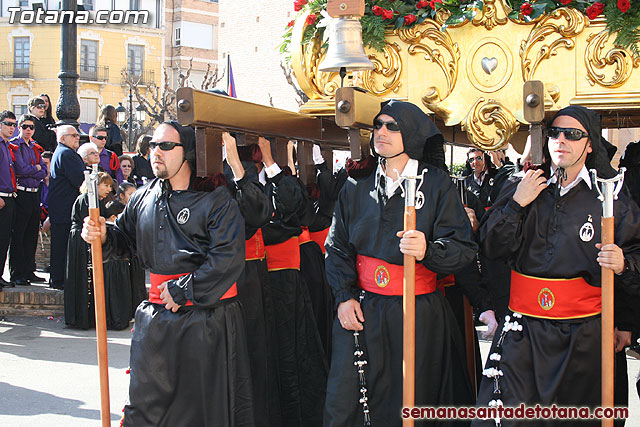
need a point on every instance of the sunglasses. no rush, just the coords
(476, 159)
(73, 135)
(12, 124)
(25, 127)
(391, 126)
(40, 107)
(100, 137)
(570, 134)
(164, 145)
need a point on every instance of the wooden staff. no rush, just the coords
(91, 180)
(608, 193)
(409, 307)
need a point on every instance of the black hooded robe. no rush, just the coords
(365, 225)
(553, 360)
(302, 365)
(190, 367)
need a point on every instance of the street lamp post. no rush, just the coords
(140, 116)
(68, 107)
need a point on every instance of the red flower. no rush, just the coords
(311, 19)
(410, 19)
(422, 4)
(291, 23)
(299, 4)
(432, 3)
(377, 10)
(624, 5)
(565, 2)
(594, 10)
(526, 9)
(387, 14)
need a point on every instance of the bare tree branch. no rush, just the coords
(302, 97)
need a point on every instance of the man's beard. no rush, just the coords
(160, 173)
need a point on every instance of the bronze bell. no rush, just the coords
(345, 46)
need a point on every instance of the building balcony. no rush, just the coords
(16, 70)
(94, 73)
(140, 77)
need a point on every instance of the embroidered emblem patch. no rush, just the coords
(546, 299)
(587, 231)
(382, 276)
(183, 216)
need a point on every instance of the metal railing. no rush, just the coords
(142, 77)
(18, 70)
(95, 73)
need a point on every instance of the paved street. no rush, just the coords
(48, 374)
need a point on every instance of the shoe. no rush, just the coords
(5, 284)
(36, 279)
(22, 282)
(52, 286)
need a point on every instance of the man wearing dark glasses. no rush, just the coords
(548, 230)
(46, 138)
(109, 161)
(189, 360)
(8, 190)
(30, 171)
(480, 180)
(364, 264)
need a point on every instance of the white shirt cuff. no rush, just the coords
(272, 170)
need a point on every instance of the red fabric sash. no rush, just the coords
(320, 237)
(157, 279)
(12, 151)
(284, 256)
(554, 298)
(381, 277)
(305, 236)
(114, 163)
(254, 247)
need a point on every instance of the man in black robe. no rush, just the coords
(189, 361)
(548, 229)
(365, 249)
(480, 180)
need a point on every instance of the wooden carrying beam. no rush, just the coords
(205, 109)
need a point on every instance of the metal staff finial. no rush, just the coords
(411, 190)
(91, 182)
(610, 189)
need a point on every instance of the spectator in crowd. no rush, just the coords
(107, 119)
(7, 188)
(30, 170)
(67, 175)
(126, 167)
(45, 137)
(78, 284)
(44, 208)
(48, 119)
(44, 192)
(109, 162)
(480, 181)
(141, 165)
(89, 154)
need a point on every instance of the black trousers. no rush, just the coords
(7, 215)
(24, 238)
(59, 237)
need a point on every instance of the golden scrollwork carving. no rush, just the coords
(431, 31)
(490, 16)
(489, 125)
(622, 59)
(572, 22)
(391, 72)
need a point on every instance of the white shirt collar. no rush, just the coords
(582, 175)
(410, 169)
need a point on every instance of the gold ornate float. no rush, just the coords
(471, 75)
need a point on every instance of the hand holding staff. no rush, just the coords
(91, 180)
